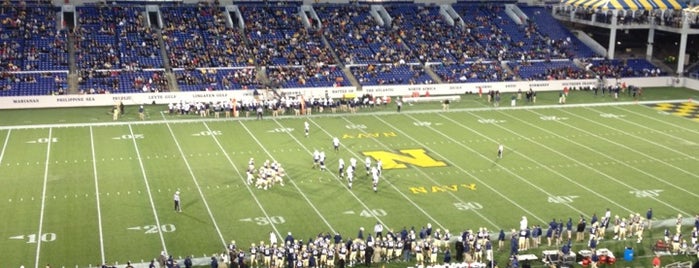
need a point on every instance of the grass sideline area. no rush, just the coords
(81, 190)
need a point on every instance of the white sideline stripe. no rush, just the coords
(97, 196)
(150, 195)
(289, 177)
(2, 154)
(333, 173)
(196, 182)
(634, 150)
(240, 175)
(404, 111)
(43, 200)
(464, 170)
(398, 190)
(613, 159)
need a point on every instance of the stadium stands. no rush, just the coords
(119, 48)
(625, 68)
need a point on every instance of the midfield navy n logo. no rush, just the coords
(415, 157)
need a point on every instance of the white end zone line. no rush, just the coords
(405, 111)
(43, 199)
(97, 196)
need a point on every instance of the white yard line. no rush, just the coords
(2, 153)
(43, 199)
(610, 158)
(150, 195)
(653, 130)
(658, 120)
(289, 177)
(464, 170)
(388, 181)
(240, 175)
(542, 165)
(629, 148)
(333, 173)
(97, 197)
(403, 194)
(196, 183)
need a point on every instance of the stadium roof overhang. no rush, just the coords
(627, 4)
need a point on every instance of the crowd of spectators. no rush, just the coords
(29, 40)
(671, 18)
(274, 35)
(45, 83)
(548, 70)
(390, 74)
(209, 79)
(358, 38)
(118, 81)
(139, 44)
(481, 71)
(624, 68)
(291, 76)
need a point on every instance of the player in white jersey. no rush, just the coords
(316, 159)
(501, 149)
(251, 164)
(379, 166)
(375, 177)
(322, 161)
(306, 128)
(341, 167)
(367, 164)
(336, 144)
(251, 177)
(353, 163)
(350, 176)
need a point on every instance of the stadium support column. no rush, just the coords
(649, 45)
(683, 43)
(612, 35)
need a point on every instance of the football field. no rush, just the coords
(79, 194)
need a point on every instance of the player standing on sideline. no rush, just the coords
(336, 144)
(322, 161)
(501, 148)
(306, 128)
(176, 198)
(141, 114)
(367, 164)
(341, 167)
(115, 113)
(316, 159)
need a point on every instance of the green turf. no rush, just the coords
(83, 190)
